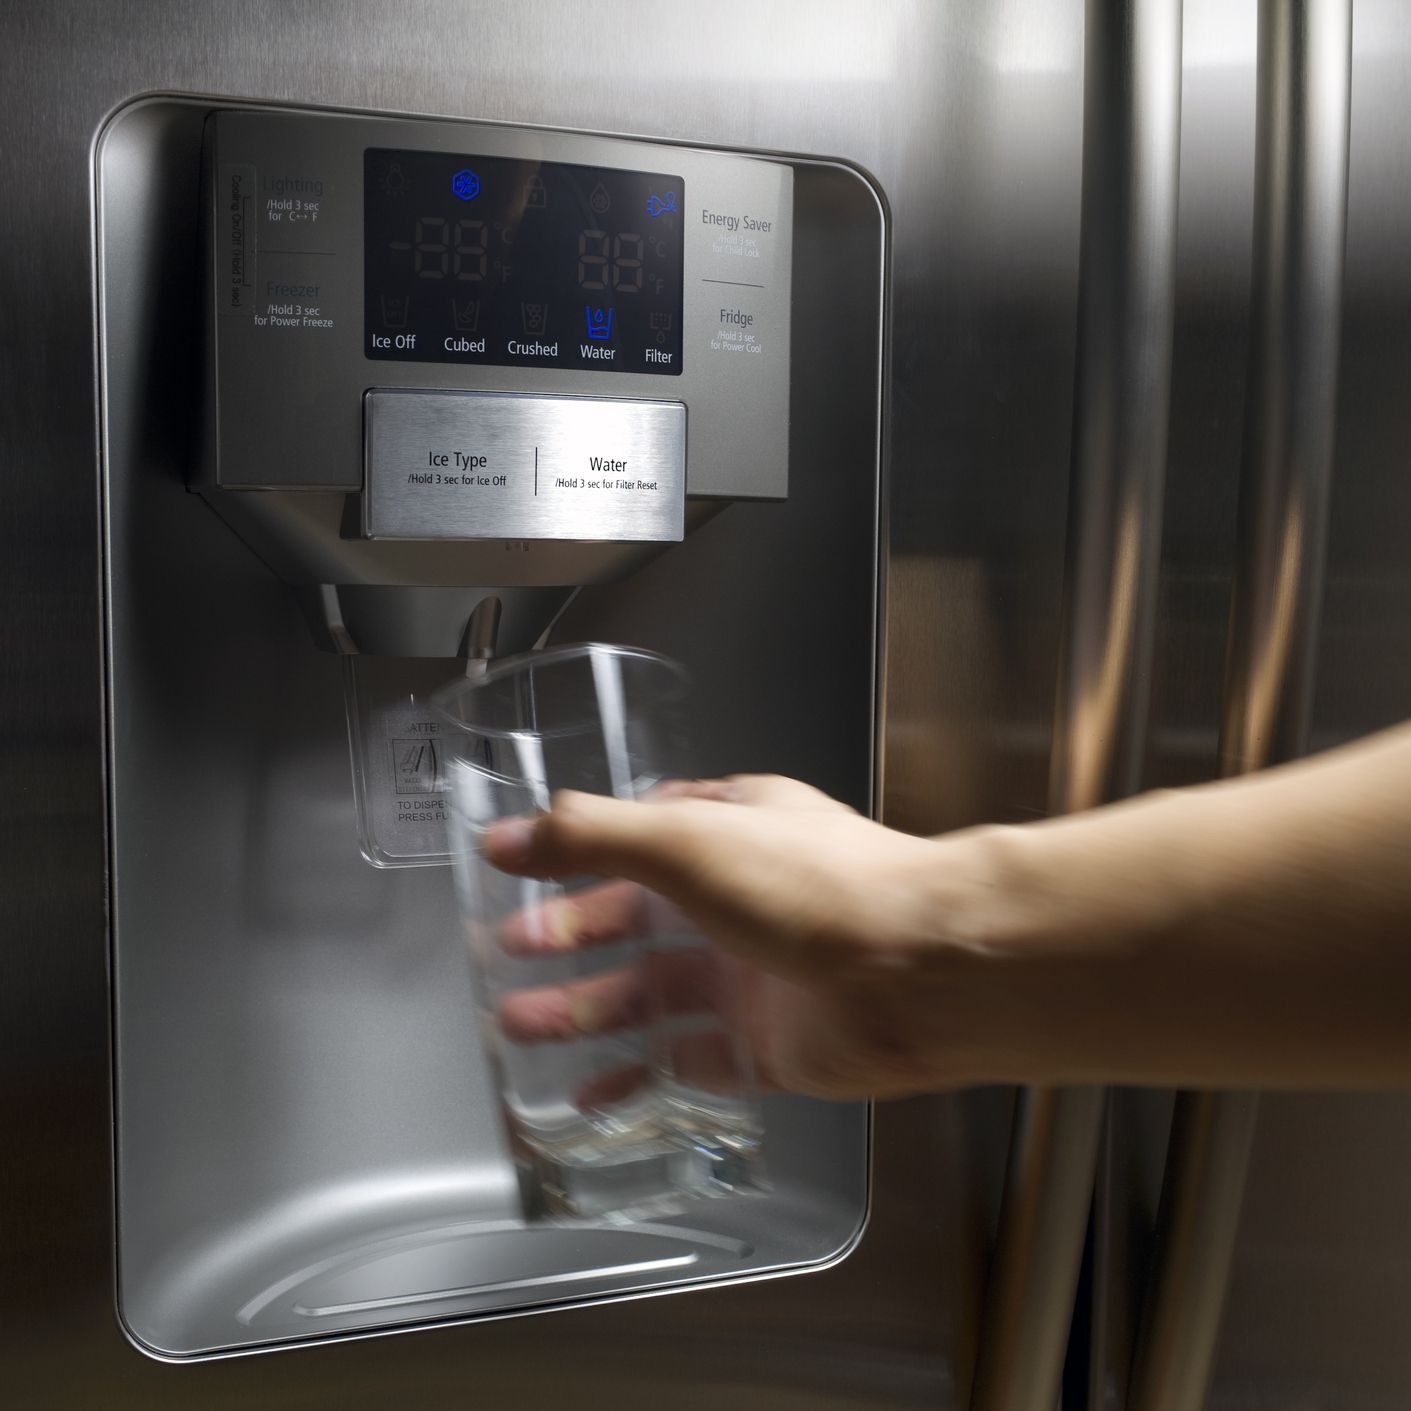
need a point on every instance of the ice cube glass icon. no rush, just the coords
(465, 314)
(535, 316)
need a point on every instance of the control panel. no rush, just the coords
(526, 264)
(491, 332)
(500, 465)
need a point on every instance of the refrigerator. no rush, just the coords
(1073, 311)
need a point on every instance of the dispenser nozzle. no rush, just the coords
(481, 631)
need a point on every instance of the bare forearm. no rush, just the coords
(1250, 932)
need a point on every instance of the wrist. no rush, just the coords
(1042, 947)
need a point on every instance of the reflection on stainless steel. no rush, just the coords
(1121, 398)
(1211, 1138)
(1300, 231)
(1034, 1272)
(1315, 1311)
(1131, 151)
(1305, 75)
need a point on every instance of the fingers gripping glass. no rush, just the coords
(626, 1083)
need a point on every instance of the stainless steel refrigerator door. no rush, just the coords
(1316, 1302)
(1320, 1290)
(970, 120)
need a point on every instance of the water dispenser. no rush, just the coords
(386, 397)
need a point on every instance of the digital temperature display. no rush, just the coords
(484, 260)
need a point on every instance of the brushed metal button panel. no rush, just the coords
(499, 465)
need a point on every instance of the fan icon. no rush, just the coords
(465, 184)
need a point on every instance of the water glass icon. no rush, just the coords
(599, 323)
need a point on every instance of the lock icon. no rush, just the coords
(535, 197)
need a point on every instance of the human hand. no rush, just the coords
(1246, 932)
(815, 909)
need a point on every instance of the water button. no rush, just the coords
(597, 325)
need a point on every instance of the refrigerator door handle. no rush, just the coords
(1131, 158)
(1300, 224)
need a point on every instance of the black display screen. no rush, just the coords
(484, 260)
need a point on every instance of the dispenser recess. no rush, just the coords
(307, 1145)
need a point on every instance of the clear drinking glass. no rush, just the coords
(642, 1095)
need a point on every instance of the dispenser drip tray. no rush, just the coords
(460, 1268)
(412, 1247)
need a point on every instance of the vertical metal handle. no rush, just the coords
(1300, 223)
(1131, 155)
